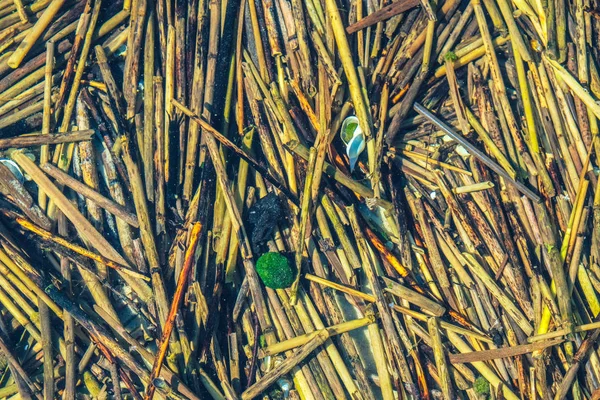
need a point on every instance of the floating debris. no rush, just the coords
(275, 271)
(354, 139)
(263, 217)
(303, 199)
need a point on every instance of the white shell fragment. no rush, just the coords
(354, 138)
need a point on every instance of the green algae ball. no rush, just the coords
(481, 386)
(275, 271)
(451, 56)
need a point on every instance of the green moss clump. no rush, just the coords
(275, 270)
(348, 132)
(481, 386)
(451, 56)
(262, 341)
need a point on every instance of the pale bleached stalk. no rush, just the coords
(440, 359)
(46, 121)
(305, 213)
(381, 364)
(148, 149)
(169, 93)
(575, 86)
(63, 153)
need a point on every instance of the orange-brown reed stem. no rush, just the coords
(177, 299)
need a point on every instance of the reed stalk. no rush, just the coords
(440, 358)
(354, 86)
(79, 250)
(381, 364)
(170, 320)
(462, 248)
(41, 24)
(85, 228)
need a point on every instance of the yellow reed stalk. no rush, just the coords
(568, 116)
(34, 34)
(498, 293)
(563, 332)
(354, 86)
(300, 340)
(575, 86)
(21, 11)
(429, 160)
(383, 112)
(440, 358)
(84, 227)
(480, 366)
(331, 349)
(18, 298)
(475, 187)
(321, 143)
(527, 9)
(78, 249)
(257, 39)
(8, 304)
(471, 56)
(300, 150)
(526, 98)
(381, 364)
(304, 221)
(169, 95)
(455, 94)
(551, 102)
(19, 274)
(403, 310)
(588, 290)
(286, 366)
(64, 153)
(16, 282)
(429, 41)
(514, 31)
(413, 297)
(47, 115)
(489, 143)
(574, 218)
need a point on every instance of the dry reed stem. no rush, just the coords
(170, 320)
(512, 218)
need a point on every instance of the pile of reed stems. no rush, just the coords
(460, 259)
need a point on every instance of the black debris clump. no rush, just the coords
(263, 217)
